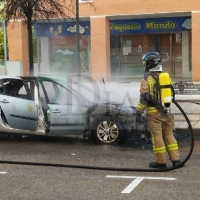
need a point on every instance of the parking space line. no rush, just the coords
(144, 177)
(137, 180)
(3, 172)
(132, 185)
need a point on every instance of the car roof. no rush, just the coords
(16, 77)
(29, 78)
(26, 77)
(7, 77)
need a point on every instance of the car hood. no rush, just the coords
(113, 108)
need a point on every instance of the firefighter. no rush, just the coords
(159, 118)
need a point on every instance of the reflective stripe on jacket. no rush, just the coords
(146, 86)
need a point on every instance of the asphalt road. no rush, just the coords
(46, 183)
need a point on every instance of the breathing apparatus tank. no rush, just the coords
(165, 90)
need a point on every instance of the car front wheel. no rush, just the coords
(107, 131)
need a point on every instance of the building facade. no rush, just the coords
(113, 38)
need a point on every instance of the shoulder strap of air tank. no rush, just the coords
(156, 78)
(146, 75)
(156, 86)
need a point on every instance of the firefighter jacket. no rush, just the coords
(146, 87)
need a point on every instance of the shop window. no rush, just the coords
(115, 55)
(63, 54)
(133, 48)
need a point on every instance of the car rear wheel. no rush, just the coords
(107, 131)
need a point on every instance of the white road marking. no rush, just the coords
(137, 181)
(3, 172)
(144, 177)
(132, 185)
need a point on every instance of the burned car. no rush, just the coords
(43, 106)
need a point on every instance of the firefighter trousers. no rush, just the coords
(163, 140)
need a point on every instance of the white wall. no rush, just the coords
(2, 70)
(14, 68)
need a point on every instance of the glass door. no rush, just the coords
(115, 56)
(177, 54)
(165, 52)
(170, 48)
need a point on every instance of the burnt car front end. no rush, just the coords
(124, 118)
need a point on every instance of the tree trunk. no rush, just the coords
(30, 45)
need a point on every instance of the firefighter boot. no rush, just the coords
(177, 163)
(157, 165)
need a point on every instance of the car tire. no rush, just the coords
(107, 130)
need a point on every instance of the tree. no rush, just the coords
(33, 10)
(1, 37)
(1, 44)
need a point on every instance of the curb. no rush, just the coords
(184, 130)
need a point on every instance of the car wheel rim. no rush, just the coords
(107, 131)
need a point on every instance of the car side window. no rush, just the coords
(49, 90)
(57, 94)
(22, 91)
(14, 88)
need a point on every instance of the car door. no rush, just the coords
(67, 116)
(17, 104)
